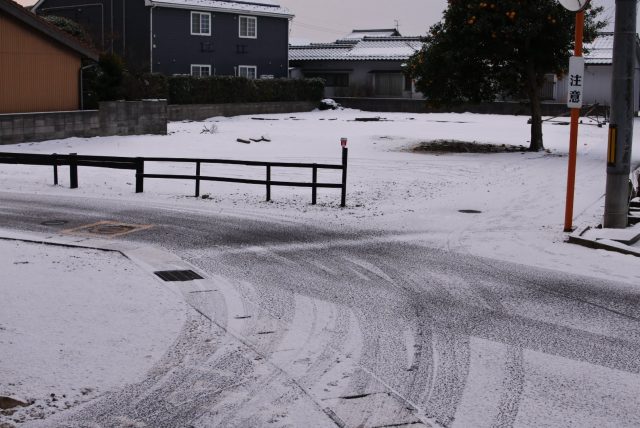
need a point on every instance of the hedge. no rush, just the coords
(226, 89)
(146, 86)
(220, 89)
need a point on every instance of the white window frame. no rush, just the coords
(248, 67)
(248, 18)
(201, 66)
(191, 23)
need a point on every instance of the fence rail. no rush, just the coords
(73, 161)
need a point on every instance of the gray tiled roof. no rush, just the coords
(600, 52)
(259, 7)
(369, 48)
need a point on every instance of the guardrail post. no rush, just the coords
(268, 183)
(139, 175)
(345, 154)
(314, 188)
(73, 170)
(55, 168)
(197, 179)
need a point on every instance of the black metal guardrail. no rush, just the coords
(73, 160)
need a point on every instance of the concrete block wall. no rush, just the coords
(133, 117)
(205, 111)
(113, 118)
(26, 127)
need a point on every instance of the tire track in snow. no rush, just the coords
(512, 390)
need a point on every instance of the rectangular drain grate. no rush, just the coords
(178, 275)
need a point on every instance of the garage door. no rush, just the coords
(389, 84)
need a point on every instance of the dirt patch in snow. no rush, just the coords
(455, 146)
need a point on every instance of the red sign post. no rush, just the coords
(574, 102)
(573, 134)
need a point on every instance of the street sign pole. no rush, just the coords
(616, 209)
(575, 117)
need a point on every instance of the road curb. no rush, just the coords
(581, 237)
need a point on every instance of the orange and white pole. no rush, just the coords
(573, 135)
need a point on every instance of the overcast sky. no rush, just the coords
(328, 20)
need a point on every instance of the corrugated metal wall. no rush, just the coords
(36, 73)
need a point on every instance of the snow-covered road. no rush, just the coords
(366, 328)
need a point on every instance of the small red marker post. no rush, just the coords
(345, 151)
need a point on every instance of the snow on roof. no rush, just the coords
(600, 51)
(369, 48)
(385, 48)
(317, 51)
(258, 7)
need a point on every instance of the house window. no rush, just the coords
(200, 24)
(200, 70)
(248, 27)
(248, 71)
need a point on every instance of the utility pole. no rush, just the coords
(616, 209)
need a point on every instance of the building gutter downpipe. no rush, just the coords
(153, 6)
(288, 48)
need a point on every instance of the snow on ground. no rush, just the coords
(76, 323)
(392, 189)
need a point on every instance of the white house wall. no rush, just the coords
(597, 86)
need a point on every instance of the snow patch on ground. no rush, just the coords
(77, 323)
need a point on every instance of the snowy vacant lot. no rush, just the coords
(392, 187)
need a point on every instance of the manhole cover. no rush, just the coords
(177, 275)
(54, 222)
(470, 211)
(107, 229)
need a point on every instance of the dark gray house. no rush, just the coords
(198, 37)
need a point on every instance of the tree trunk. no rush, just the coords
(536, 111)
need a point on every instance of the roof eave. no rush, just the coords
(32, 20)
(352, 59)
(156, 3)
